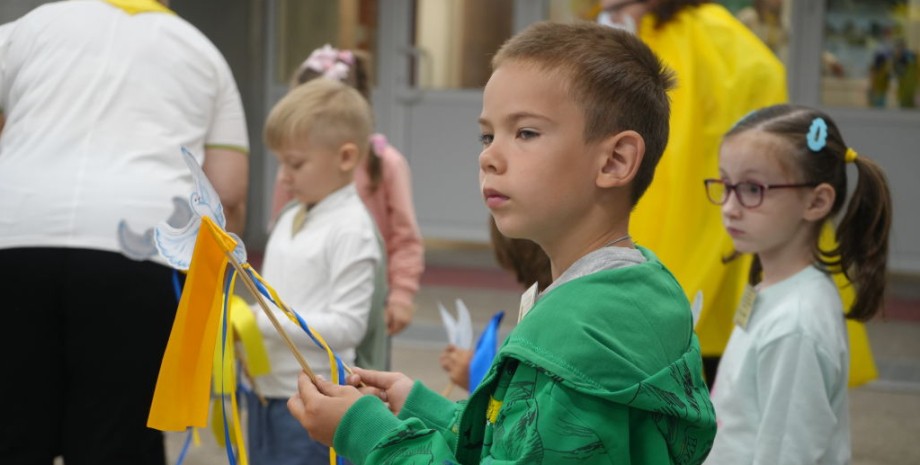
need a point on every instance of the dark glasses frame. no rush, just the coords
(762, 189)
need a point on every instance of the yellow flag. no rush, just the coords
(183, 386)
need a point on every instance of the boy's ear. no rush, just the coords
(820, 201)
(621, 156)
(349, 156)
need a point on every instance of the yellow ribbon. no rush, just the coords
(290, 314)
(850, 156)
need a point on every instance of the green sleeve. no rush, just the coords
(370, 434)
(434, 410)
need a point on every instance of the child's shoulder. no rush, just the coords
(807, 304)
(636, 314)
(645, 283)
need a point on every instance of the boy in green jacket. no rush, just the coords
(604, 367)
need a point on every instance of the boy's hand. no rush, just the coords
(390, 386)
(398, 316)
(456, 362)
(320, 408)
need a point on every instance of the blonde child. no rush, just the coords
(384, 184)
(781, 390)
(321, 256)
(604, 366)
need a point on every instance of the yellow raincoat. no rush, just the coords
(723, 72)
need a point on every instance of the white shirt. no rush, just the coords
(325, 272)
(97, 105)
(780, 394)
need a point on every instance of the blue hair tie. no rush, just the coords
(817, 134)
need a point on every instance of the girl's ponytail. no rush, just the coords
(862, 237)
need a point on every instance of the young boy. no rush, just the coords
(322, 255)
(604, 367)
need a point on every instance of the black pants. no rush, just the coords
(83, 334)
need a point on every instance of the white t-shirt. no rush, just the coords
(780, 394)
(325, 272)
(97, 105)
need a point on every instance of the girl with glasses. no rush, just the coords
(781, 390)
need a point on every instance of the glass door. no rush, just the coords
(434, 60)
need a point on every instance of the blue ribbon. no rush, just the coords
(231, 456)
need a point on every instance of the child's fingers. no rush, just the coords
(297, 408)
(378, 379)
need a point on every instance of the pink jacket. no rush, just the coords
(393, 211)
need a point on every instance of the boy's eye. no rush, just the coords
(527, 134)
(486, 139)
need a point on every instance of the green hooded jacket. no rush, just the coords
(604, 369)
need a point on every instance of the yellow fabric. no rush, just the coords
(224, 379)
(492, 412)
(245, 328)
(183, 386)
(862, 365)
(225, 383)
(133, 7)
(723, 72)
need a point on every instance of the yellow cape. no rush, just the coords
(723, 72)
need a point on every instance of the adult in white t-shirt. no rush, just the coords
(98, 96)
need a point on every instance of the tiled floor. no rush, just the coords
(885, 415)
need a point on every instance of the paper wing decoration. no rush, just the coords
(175, 243)
(141, 246)
(486, 348)
(459, 330)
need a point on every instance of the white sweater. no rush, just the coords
(325, 272)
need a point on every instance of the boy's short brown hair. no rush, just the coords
(325, 112)
(611, 74)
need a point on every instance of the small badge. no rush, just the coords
(745, 307)
(527, 300)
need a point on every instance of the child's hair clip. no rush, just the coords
(850, 156)
(330, 62)
(817, 134)
(379, 143)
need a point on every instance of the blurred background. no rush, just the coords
(856, 59)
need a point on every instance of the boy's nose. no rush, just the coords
(489, 160)
(285, 175)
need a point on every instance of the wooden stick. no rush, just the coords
(271, 316)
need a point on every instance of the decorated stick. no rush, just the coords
(271, 316)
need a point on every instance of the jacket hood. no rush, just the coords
(624, 335)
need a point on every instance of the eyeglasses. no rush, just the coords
(749, 194)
